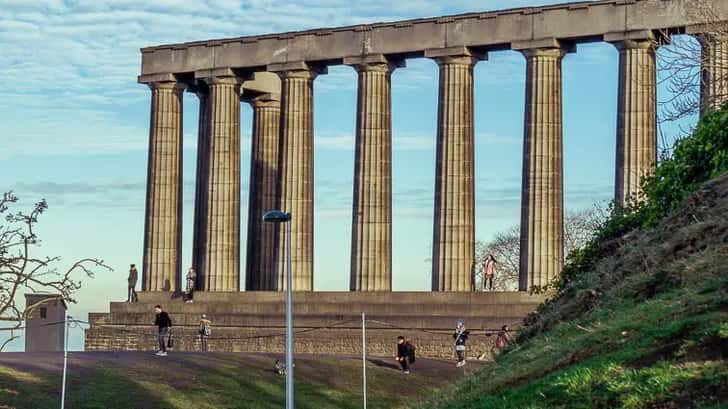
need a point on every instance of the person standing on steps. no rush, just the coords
(461, 337)
(403, 354)
(205, 332)
(488, 272)
(502, 339)
(131, 295)
(164, 327)
(191, 280)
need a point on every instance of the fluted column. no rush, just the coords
(542, 225)
(163, 218)
(714, 85)
(371, 226)
(261, 256)
(453, 244)
(295, 182)
(220, 264)
(201, 184)
(636, 117)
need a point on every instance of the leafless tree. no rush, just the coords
(22, 272)
(579, 228)
(689, 63)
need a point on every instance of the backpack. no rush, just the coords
(206, 330)
(412, 349)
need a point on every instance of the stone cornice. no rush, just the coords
(572, 22)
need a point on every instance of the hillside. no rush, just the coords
(124, 380)
(641, 319)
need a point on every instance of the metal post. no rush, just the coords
(289, 320)
(364, 355)
(65, 363)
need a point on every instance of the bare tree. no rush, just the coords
(579, 228)
(694, 70)
(21, 271)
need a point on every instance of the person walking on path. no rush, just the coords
(461, 337)
(191, 280)
(164, 327)
(131, 295)
(488, 272)
(205, 332)
(403, 354)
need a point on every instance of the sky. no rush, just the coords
(74, 129)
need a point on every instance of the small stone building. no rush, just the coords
(45, 327)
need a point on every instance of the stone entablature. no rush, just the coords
(577, 22)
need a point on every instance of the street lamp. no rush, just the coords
(279, 216)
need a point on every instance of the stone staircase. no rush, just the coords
(325, 322)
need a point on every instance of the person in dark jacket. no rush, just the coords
(403, 354)
(461, 337)
(164, 325)
(132, 282)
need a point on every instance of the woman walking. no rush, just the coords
(461, 337)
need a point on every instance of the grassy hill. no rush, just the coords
(135, 380)
(640, 316)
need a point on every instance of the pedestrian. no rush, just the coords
(131, 295)
(488, 272)
(461, 337)
(205, 332)
(164, 326)
(191, 280)
(403, 354)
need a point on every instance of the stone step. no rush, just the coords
(309, 320)
(333, 308)
(345, 297)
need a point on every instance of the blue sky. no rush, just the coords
(75, 127)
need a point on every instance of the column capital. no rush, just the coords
(632, 40)
(545, 47)
(458, 55)
(374, 62)
(264, 101)
(174, 86)
(297, 69)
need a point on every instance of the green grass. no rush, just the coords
(646, 327)
(187, 381)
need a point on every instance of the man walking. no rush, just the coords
(131, 295)
(164, 326)
(403, 354)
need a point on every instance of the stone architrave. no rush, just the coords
(295, 182)
(163, 220)
(714, 84)
(261, 257)
(636, 154)
(220, 259)
(371, 226)
(453, 245)
(542, 213)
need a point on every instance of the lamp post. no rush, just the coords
(279, 216)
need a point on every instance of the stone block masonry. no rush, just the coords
(325, 323)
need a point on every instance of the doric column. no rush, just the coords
(636, 114)
(371, 226)
(295, 182)
(453, 244)
(261, 256)
(220, 261)
(201, 183)
(163, 220)
(714, 84)
(542, 214)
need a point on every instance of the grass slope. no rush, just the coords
(209, 381)
(647, 327)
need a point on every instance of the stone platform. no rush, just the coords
(324, 322)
